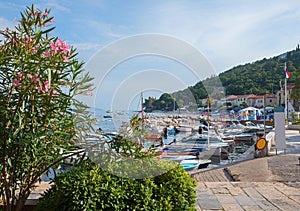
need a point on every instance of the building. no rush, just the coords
(258, 100)
(238, 100)
(292, 105)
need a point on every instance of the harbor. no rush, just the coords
(190, 136)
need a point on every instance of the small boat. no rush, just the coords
(194, 164)
(188, 162)
(178, 158)
(107, 116)
(96, 138)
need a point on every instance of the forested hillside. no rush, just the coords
(260, 77)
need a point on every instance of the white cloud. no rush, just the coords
(87, 46)
(4, 23)
(230, 32)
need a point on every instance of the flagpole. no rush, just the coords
(285, 99)
(285, 92)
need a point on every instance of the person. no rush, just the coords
(165, 131)
(176, 130)
(162, 142)
(99, 130)
(200, 130)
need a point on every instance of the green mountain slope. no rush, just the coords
(260, 77)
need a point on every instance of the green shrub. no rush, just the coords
(297, 122)
(89, 187)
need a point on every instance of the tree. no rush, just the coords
(296, 89)
(244, 104)
(40, 77)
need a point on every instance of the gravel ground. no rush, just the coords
(276, 168)
(285, 168)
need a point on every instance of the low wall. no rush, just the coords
(293, 127)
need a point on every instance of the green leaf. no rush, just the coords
(9, 161)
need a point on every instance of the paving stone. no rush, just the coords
(236, 191)
(226, 199)
(296, 198)
(205, 191)
(252, 208)
(198, 207)
(220, 190)
(232, 207)
(253, 193)
(279, 199)
(218, 184)
(244, 200)
(288, 190)
(214, 210)
(266, 205)
(201, 185)
(259, 199)
(209, 202)
(283, 204)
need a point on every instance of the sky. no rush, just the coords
(115, 39)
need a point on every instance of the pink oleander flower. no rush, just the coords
(20, 75)
(90, 89)
(28, 38)
(54, 93)
(53, 47)
(51, 20)
(34, 50)
(91, 94)
(16, 82)
(45, 13)
(39, 89)
(60, 46)
(45, 24)
(29, 75)
(59, 43)
(47, 54)
(46, 86)
(58, 72)
(66, 59)
(35, 80)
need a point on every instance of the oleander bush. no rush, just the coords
(40, 77)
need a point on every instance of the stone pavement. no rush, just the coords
(268, 183)
(250, 196)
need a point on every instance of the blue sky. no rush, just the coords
(227, 33)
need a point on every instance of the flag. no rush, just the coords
(287, 74)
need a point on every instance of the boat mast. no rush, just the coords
(208, 120)
(142, 111)
(285, 93)
(174, 105)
